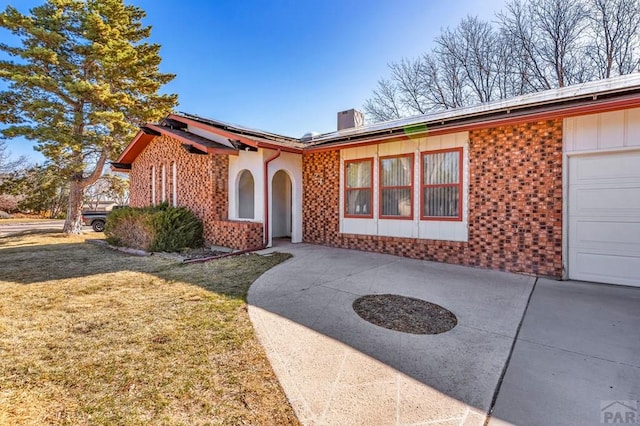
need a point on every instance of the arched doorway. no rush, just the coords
(245, 195)
(281, 205)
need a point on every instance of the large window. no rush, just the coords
(358, 196)
(396, 183)
(442, 185)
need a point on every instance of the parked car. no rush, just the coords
(96, 219)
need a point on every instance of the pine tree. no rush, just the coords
(82, 80)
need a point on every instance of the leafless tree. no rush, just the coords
(533, 45)
(614, 42)
(472, 45)
(446, 80)
(7, 165)
(547, 34)
(412, 88)
(385, 103)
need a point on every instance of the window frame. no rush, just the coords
(347, 189)
(459, 185)
(411, 186)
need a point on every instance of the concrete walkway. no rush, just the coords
(339, 369)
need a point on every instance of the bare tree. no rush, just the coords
(385, 103)
(547, 34)
(7, 165)
(534, 45)
(407, 74)
(445, 78)
(614, 36)
(473, 46)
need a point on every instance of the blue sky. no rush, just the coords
(285, 66)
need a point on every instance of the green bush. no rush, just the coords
(159, 228)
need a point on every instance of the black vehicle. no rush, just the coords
(96, 219)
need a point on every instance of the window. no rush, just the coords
(245, 195)
(396, 183)
(358, 196)
(442, 185)
(174, 183)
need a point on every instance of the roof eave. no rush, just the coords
(480, 121)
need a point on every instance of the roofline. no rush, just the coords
(593, 89)
(503, 118)
(203, 148)
(130, 146)
(233, 136)
(588, 98)
(234, 128)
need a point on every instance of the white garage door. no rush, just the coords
(604, 218)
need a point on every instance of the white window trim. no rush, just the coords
(153, 185)
(174, 183)
(443, 230)
(164, 184)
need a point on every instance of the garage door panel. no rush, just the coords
(606, 268)
(604, 218)
(613, 235)
(614, 166)
(606, 200)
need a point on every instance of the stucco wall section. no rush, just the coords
(515, 204)
(201, 181)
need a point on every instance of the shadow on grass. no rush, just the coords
(92, 335)
(26, 260)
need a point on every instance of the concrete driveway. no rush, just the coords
(337, 368)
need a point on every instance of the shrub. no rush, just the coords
(159, 228)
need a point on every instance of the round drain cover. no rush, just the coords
(406, 314)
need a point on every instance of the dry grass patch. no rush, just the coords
(91, 336)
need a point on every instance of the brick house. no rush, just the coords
(545, 184)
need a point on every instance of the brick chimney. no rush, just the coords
(349, 119)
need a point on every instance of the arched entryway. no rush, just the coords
(281, 192)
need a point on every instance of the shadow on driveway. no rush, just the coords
(578, 346)
(341, 369)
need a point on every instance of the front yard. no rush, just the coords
(92, 336)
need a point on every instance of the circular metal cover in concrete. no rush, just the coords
(406, 314)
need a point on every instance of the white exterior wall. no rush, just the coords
(416, 228)
(251, 161)
(292, 165)
(254, 162)
(587, 140)
(600, 132)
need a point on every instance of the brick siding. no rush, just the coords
(515, 204)
(201, 184)
(240, 235)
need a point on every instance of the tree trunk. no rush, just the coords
(73, 222)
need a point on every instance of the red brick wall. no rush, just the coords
(238, 235)
(201, 187)
(515, 204)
